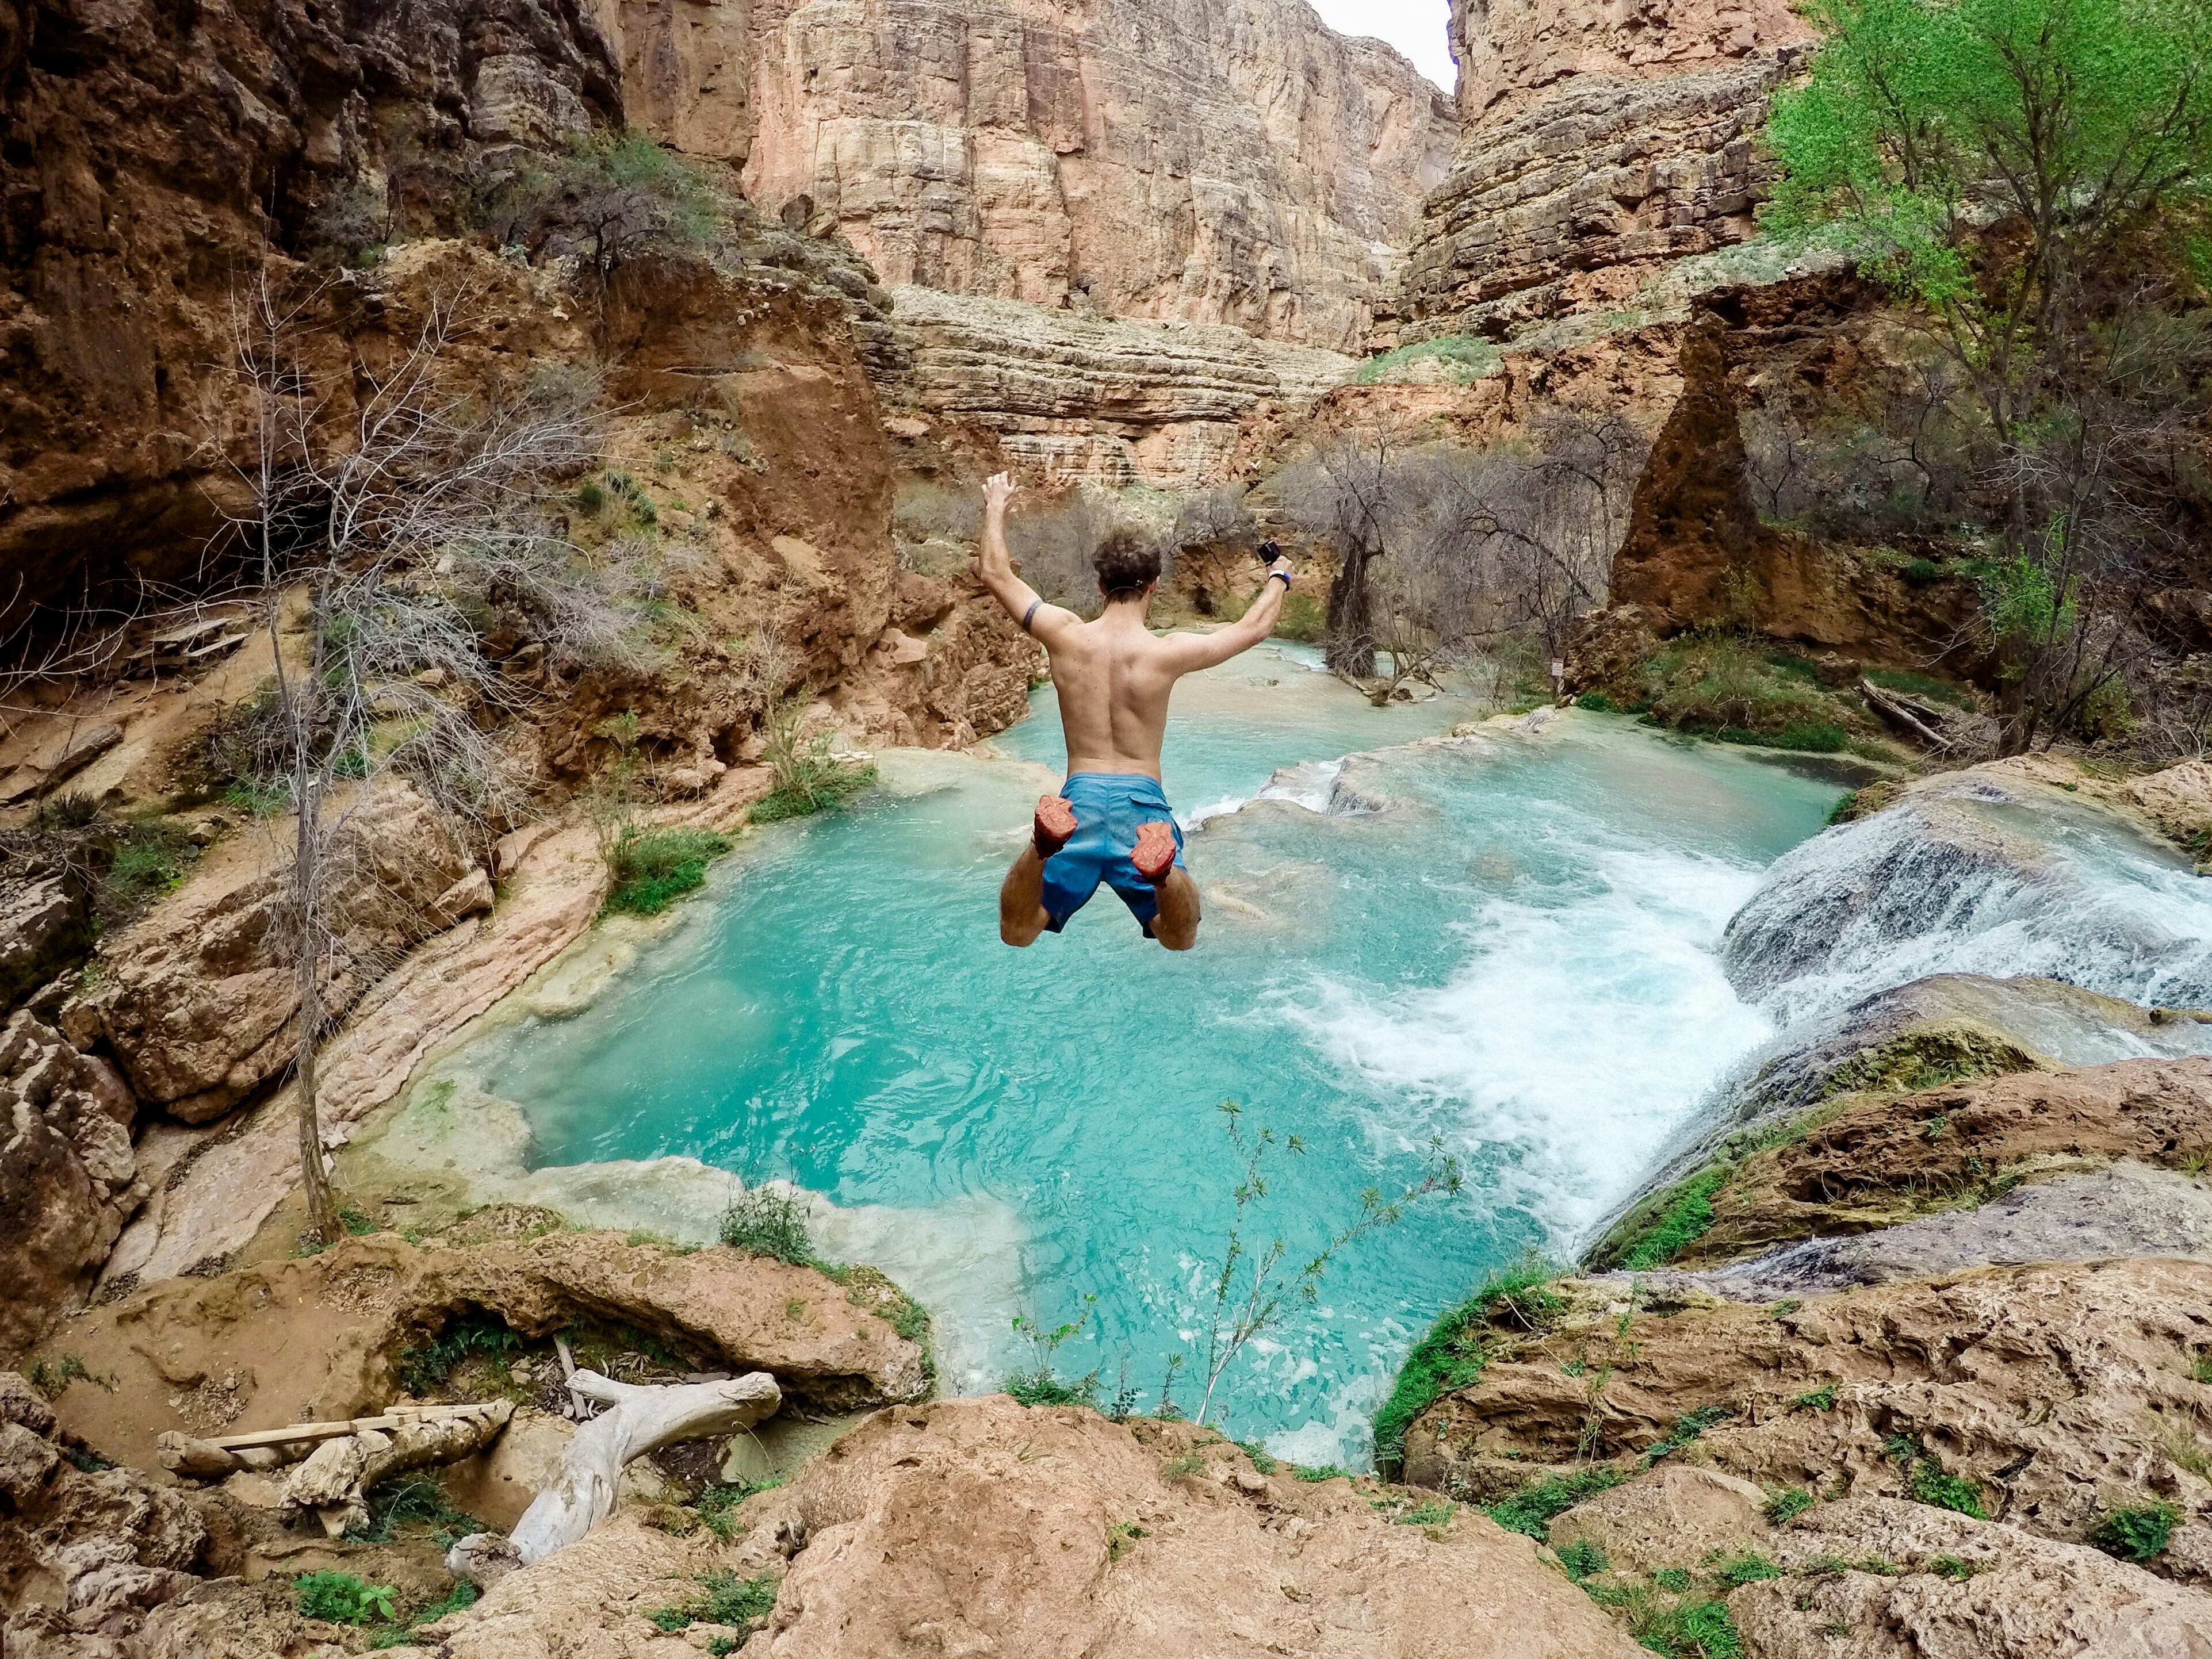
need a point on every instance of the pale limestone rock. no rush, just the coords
(471, 895)
(2027, 1597)
(1218, 161)
(1674, 1517)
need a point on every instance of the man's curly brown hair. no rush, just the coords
(1128, 563)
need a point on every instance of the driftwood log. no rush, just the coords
(637, 1420)
(213, 1457)
(335, 1479)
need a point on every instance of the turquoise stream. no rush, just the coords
(1517, 954)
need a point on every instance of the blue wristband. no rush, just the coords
(1284, 575)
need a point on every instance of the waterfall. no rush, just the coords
(1969, 875)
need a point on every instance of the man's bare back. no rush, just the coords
(1113, 677)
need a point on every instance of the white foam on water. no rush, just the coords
(1961, 887)
(1309, 784)
(1577, 1035)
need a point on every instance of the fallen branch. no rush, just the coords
(216, 1455)
(1916, 717)
(640, 1420)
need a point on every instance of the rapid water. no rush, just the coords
(1512, 944)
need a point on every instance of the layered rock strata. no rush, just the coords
(1600, 143)
(1212, 161)
(1070, 396)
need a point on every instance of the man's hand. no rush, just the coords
(998, 490)
(1281, 566)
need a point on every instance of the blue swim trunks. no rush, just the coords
(1110, 807)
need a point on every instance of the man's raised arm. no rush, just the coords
(995, 566)
(1192, 651)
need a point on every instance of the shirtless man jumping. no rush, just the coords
(1110, 822)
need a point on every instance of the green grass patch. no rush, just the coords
(653, 868)
(1452, 1355)
(1748, 1568)
(1687, 1428)
(424, 1369)
(1261, 1458)
(1458, 360)
(1042, 1386)
(339, 1598)
(2140, 1533)
(1788, 1504)
(1582, 1559)
(764, 1220)
(725, 1599)
(1319, 1472)
(1690, 1630)
(809, 782)
(1675, 1580)
(1955, 1568)
(1931, 1483)
(1686, 1217)
(1435, 1513)
(1530, 1511)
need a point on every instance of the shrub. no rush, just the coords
(339, 1598)
(463, 1594)
(808, 777)
(1930, 1483)
(2137, 1533)
(1748, 1568)
(609, 197)
(1582, 1558)
(1262, 1460)
(1686, 1218)
(764, 1220)
(1673, 1579)
(1596, 702)
(1452, 1354)
(1530, 1510)
(653, 868)
(1816, 1399)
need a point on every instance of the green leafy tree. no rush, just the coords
(2000, 164)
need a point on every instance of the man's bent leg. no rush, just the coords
(1177, 924)
(1022, 915)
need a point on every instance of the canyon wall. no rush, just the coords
(1210, 161)
(1602, 140)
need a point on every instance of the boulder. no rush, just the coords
(69, 1177)
(196, 1000)
(2050, 1394)
(1954, 1588)
(979, 1526)
(1674, 1517)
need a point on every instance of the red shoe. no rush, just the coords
(1154, 854)
(1053, 825)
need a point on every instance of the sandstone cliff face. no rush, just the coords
(1213, 160)
(1073, 396)
(1601, 140)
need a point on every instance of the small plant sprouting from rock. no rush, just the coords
(1687, 1428)
(1748, 1568)
(1955, 1568)
(1689, 1630)
(2139, 1532)
(1039, 1383)
(726, 1600)
(765, 1220)
(1262, 1460)
(1530, 1511)
(809, 778)
(1673, 1580)
(652, 868)
(53, 1379)
(1927, 1481)
(1786, 1504)
(1182, 1467)
(1122, 1537)
(1250, 1288)
(1582, 1558)
(339, 1598)
(1821, 1399)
